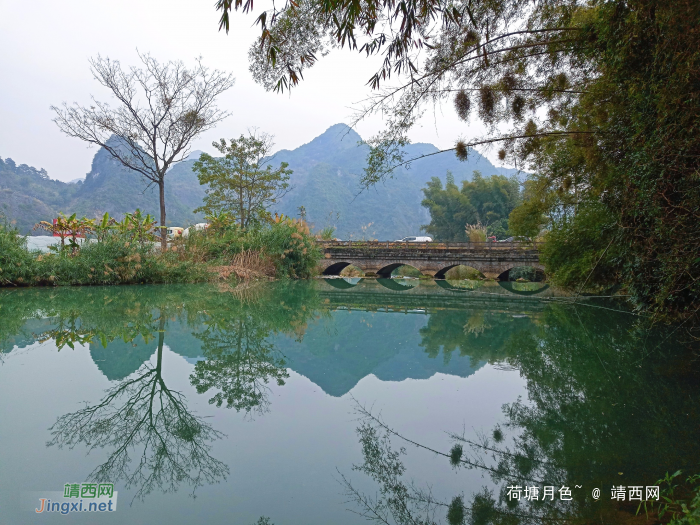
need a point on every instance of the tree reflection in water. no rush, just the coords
(609, 403)
(240, 360)
(239, 363)
(155, 441)
(605, 395)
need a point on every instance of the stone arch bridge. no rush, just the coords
(434, 259)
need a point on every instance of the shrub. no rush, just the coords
(16, 263)
(290, 246)
(284, 248)
(475, 232)
(286, 243)
(114, 261)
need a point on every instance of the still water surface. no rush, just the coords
(220, 405)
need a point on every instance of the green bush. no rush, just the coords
(113, 260)
(291, 247)
(116, 258)
(287, 243)
(584, 249)
(679, 498)
(17, 265)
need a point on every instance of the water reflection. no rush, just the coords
(238, 358)
(459, 286)
(533, 288)
(609, 404)
(604, 395)
(398, 285)
(153, 440)
(342, 283)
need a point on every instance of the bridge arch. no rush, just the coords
(389, 268)
(539, 274)
(380, 258)
(442, 273)
(335, 268)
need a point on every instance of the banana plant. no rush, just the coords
(104, 227)
(138, 227)
(220, 221)
(70, 228)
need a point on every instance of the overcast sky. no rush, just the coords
(44, 61)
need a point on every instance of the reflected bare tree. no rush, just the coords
(155, 441)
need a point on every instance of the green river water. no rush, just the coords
(219, 405)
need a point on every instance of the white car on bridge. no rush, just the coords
(415, 239)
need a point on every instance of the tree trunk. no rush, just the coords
(161, 338)
(163, 230)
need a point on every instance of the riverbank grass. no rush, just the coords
(282, 249)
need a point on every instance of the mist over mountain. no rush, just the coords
(325, 181)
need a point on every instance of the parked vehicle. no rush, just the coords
(175, 231)
(200, 226)
(415, 239)
(515, 239)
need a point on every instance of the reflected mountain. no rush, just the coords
(605, 395)
(243, 339)
(610, 403)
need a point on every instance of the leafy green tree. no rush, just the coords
(242, 182)
(486, 200)
(449, 210)
(600, 99)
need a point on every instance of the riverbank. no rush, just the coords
(283, 249)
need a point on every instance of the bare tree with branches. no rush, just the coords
(142, 418)
(162, 108)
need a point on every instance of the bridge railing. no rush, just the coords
(488, 245)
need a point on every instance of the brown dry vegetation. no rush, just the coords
(249, 264)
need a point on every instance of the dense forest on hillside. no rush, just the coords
(326, 182)
(28, 195)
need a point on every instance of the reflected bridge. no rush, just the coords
(434, 259)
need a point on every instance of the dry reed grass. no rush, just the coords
(247, 292)
(249, 264)
(476, 232)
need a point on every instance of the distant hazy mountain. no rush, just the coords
(326, 178)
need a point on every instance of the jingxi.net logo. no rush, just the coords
(79, 497)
